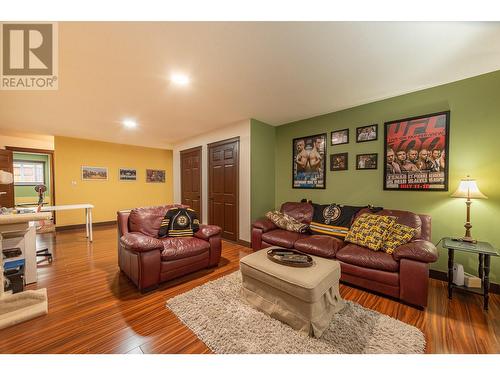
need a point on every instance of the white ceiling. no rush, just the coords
(272, 71)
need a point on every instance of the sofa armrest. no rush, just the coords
(265, 225)
(122, 221)
(419, 250)
(139, 242)
(207, 231)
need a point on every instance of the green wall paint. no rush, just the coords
(474, 140)
(27, 193)
(262, 153)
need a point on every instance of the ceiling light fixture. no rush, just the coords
(129, 123)
(180, 79)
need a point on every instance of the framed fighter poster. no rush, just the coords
(416, 153)
(309, 164)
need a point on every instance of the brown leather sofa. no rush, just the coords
(403, 274)
(148, 260)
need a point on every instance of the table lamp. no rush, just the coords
(468, 189)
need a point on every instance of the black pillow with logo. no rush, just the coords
(335, 219)
(179, 222)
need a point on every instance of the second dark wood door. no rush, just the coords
(223, 166)
(191, 179)
(7, 191)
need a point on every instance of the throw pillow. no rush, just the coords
(179, 222)
(370, 230)
(284, 221)
(334, 219)
(398, 235)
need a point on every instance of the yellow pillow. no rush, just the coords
(398, 235)
(370, 230)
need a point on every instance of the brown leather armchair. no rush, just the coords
(403, 274)
(148, 260)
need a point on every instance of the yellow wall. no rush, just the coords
(111, 195)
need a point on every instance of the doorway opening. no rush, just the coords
(32, 167)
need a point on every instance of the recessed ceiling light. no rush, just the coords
(180, 79)
(129, 123)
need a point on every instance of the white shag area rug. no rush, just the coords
(217, 313)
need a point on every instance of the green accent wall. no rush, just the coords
(27, 193)
(262, 169)
(474, 140)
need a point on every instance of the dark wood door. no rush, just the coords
(6, 191)
(223, 170)
(191, 179)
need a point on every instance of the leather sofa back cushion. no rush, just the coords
(302, 212)
(402, 217)
(147, 220)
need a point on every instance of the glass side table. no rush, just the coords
(484, 251)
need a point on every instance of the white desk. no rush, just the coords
(21, 225)
(85, 206)
(16, 308)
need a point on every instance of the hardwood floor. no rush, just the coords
(93, 308)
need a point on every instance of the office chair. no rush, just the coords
(40, 189)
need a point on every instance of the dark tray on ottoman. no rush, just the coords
(289, 257)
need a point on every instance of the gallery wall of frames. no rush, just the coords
(415, 154)
(124, 174)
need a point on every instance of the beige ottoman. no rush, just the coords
(304, 298)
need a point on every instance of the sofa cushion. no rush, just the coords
(147, 220)
(378, 276)
(286, 222)
(370, 230)
(182, 247)
(363, 257)
(398, 235)
(300, 211)
(281, 237)
(320, 245)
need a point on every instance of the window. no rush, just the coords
(29, 172)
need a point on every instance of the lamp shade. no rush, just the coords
(468, 189)
(6, 178)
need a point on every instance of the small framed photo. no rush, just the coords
(94, 173)
(366, 161)
(367, 133)
(339, 137)
(155, 175)
(128, 174)
(339, 162)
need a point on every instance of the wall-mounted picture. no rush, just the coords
(155, 175)
(416, 153)
(128, 174)
(367, 133)
(309, 165)
(94, 173)
(339, 162)
(339, 137)
(366, 161)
